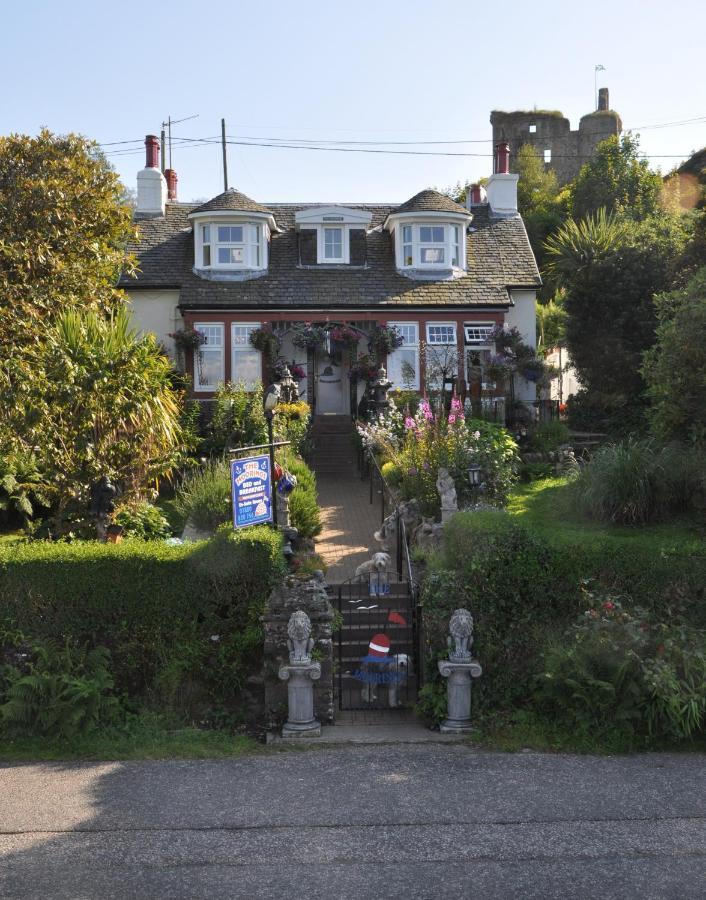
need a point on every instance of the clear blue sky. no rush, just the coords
(392, 70)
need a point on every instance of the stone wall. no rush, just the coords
(311, 597)
(552, 131)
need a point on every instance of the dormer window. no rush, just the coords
(332, 236)
(225, 246)
(430, 246)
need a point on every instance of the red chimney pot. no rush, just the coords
(171, 177)
(152, 151)
(475, 194)
(502, 158)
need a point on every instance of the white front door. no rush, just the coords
(329, 387)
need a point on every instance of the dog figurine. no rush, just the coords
(378, 563)
(401, 668)
(387, 534)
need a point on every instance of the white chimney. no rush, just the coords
(151, 184)
(502, 185)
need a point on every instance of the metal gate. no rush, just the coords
(377, 642)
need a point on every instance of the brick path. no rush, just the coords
(349, 521)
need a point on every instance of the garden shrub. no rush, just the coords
(620, 670)
(170, 616)
(304, 510)
(67, 691)
(204, 495)
(238, 418)
(143, 520)
(522, 588)
(548, 436)
(291, 423)
(636, 482)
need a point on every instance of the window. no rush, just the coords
(246, 364)
(441, 334)
(547, 155)
(333, 244)
(231, 246)
(403, 363)
(208, 359)
(206, 244)
(533, 129)
(441, 354)
(478, 332)
(407, 256)
(429, 246)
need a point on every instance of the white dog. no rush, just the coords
(401, 668)
(378, 563)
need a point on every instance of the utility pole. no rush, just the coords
(225, 156)
(162, 150)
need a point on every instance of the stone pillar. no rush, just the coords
(298, 595)
(300, 678)
(459, 668)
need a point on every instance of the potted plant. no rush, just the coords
(265, 340)
(188, 339)
(532, 368)
(345, 337)
(308, 336)
(385, 339)
(365, 368)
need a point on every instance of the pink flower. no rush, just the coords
(452, 418)
(412, 471)
(608, 606)
(409, 423)
(426, 410)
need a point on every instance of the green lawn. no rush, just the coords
(546, 506)
(149, 737)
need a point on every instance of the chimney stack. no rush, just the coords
(502, 185)
(475, 196)
(171, 177)
(502, 158)
(151, 184)
(603, 100)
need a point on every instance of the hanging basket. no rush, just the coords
(385, 339)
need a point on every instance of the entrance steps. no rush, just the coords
(334, 452)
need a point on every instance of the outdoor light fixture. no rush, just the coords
(474, 475)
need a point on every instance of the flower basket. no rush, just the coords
(308, 337)
(297, 372)
(385, 339)
(497, 368)
(344, 337)
(188, 339)
(265, 340)
(364, 369)
(533, 368)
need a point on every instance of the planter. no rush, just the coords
(266, 341)
(385, 339)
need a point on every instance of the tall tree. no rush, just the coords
(63, 231)
(539, 200)
(618, 180)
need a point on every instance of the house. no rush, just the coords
(443, 274)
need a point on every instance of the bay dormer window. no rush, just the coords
(430, 245)
(226, 246)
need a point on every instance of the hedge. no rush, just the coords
(522, 588)
(182, 623)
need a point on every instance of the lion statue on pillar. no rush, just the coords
(299, 639)
(460, 634)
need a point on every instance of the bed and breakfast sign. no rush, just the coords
(252, 491)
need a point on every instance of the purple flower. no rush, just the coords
(426, 410)
(411, 471)
(426, 467)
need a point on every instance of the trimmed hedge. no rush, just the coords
(182, 623)
(522, 588)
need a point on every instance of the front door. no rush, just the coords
(329, 384)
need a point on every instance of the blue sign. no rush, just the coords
(252, 491)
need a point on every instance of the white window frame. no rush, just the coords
(476, 334)
(236, 348)
(391, 361)
(321, 259)
(450, 343)
(200, 326)
(453, 244)
(254, 244)
(342, 231)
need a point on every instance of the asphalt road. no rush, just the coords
(357, 822)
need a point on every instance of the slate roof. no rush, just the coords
(430, 201)
(498, 257)
(234, 200)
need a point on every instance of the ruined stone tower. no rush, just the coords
(562, 149)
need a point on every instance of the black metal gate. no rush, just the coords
(377, 642)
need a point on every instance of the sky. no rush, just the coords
(389, 71)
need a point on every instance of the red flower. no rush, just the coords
(608, 606)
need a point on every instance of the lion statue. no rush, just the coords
(299, 639)
(461, 634)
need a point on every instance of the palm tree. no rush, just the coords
(576, 245)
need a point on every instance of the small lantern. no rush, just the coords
(474, 475)
(286, 484)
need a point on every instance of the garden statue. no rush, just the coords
(459, 668)
(288, 389)
(103, 493)
(460, 635)
(299, 638)
(380, 387)
(447, 492)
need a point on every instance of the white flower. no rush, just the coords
(215, 637)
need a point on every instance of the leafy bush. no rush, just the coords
(66, 692)
(636, 482)
(204, 495)
(304, 508)
(143, 520)
(619, 669)
(182, 623)
(22, 487)
(549, 436)
(238, 418)
(536, 471)
(523, 588)
(291, 423)
(391, 472)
